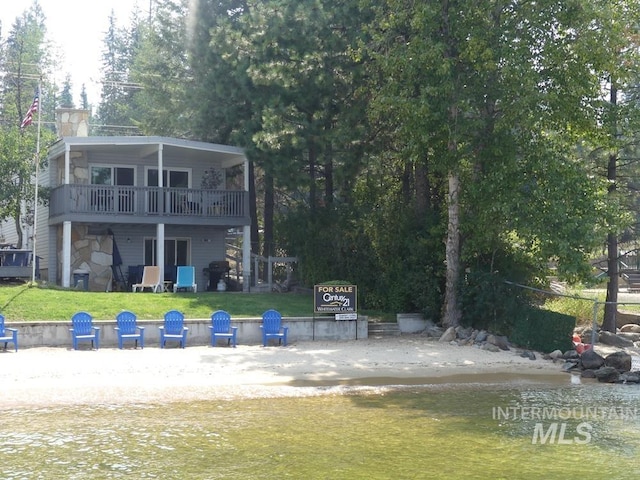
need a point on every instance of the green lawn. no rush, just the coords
(20, 303)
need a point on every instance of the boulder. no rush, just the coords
(607, 375)
(628, 377)
(499, 341)
(614, 340)
(588, 374)
(448, 335)
(435, 331)
(463, 332)
(528, 354)
(621, 361)
(555, 354)
(570, 355)
(490, 347)
(481, 336)
(633, 337)
(569, 365)
(590, 360)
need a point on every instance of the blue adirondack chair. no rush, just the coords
(82, 329)
(221, 328)
(128, 329)
(271, 328)
(173, 328)
(186, 279)
(8, 335)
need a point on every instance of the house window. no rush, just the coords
(122, 178)
(178, 179)
(176, 252)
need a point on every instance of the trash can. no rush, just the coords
(81, 276)
(217, 271)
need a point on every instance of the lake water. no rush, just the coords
(515, 430)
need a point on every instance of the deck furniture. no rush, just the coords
(186, 279)
(127, 329)
(150, 279)
(271, 328)
(8, 335)
(82, 330)
(173, 328)
(221, 328)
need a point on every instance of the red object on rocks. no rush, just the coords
(579, 346)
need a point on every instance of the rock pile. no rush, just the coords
(620, 366)
(468, 336)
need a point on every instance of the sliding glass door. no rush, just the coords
(172, 201)
(177, 251)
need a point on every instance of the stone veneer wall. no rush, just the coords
(93, 253)
(72, 122)
(78, 169)
(90, 252)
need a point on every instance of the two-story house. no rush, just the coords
(133, 201)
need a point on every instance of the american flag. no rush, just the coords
(28, 119)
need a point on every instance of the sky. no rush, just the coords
(80, 46)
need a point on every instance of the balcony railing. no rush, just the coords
(137, 201)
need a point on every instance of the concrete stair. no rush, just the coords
(383, 329)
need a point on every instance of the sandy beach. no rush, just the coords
(47, 376)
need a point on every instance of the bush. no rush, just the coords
(543, 330)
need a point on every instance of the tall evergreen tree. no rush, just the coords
(162, 70)
(115, 114)
(84, 101)
(65, 99)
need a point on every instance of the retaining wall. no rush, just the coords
(56, 334)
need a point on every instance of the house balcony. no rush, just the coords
(153, 205)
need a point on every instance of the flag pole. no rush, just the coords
(34, 258)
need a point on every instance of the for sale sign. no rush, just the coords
(335, 298)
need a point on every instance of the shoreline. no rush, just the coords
(48, 376)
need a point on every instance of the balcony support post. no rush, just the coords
(66, 254)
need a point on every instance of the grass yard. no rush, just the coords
(19, 303)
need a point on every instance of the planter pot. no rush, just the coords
(411, 322)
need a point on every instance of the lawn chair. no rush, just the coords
(221, 328)
(271, 327)
(173, 328)
(150, 279)
(12, 337)
(186, 278)
(82, 329)
(127, 329)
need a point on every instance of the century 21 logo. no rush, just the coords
(335, 295)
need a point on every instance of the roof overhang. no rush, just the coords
(144, 147)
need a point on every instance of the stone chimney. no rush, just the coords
(72, 122)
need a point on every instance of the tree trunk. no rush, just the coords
(19, 233)
(423, 189)
(312, 160)
(610, 308)
(268, 247)
(609, 323)
(452, 314)
(328, 177)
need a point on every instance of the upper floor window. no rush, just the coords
(176, 178)
(107, 175)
